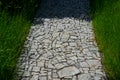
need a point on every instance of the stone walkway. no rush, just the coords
(61, 44)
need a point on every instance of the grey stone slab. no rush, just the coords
(94, 63)
(43, 78)
(36, 69)
(35, 77)
(68, 71)
(85, 77)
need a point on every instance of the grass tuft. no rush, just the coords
(14, 28)
(13, 31)
(106, 15)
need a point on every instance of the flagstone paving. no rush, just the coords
(61, 44)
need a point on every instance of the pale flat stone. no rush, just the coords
(58, 45)
(73, 37)
(46, 41)
(56, 79)
(84, 64)
(99, 77)
(55, 34)
(47, 19)
(86, 70)
(85, 77)
(34, 73)
(68, 71)
(59, 65)
(26, 74)
(50, 66)
(36, 69)
(99, 71)
(65, 44)
(73, 58)
(71, 62)
(74, 78)
(54, 75)
(65, 36)
(41, 63)
(43, 78)
(72, 44)
(94, 63)
(30, 68)
(35, 77)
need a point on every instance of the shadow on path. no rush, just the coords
(78, 9)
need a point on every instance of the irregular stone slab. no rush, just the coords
(36, 69)
(84, 64)
(58, 66)
(40, 63)
(100, 77)
(35, 77)
(68, 71)
(56, 79)
(42, 78)
(91, 77)
(94, 63)
(85, 77)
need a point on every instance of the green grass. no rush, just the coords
(14, 28)
(13, 31)
(106, 22)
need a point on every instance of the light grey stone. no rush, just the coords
(51, 66)
(72, 44)
(55, 34)
(65, 44)
(36, 69)
(54, 75)
(94, 63)
(74, 77)
(99, 77)
(68, 71)
(43, 78)
(47, 19)
(41, 63)
(65, 36)
(73, 58)
(58, 45)
(35, 77)
(34, 73)
(86, 70)
(73, 37)
(85, 77)
(30, 68)
(70, 62)
(84, 64)
(59, 65)
(99, 71)
(56, 79)
(26, 74)
(46, 41)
